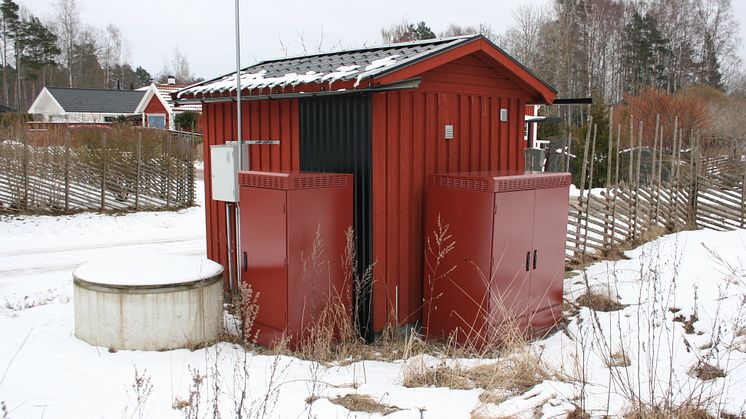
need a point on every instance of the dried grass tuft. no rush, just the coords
(440, 375)
(618, 359)
(364, 403)
(706, 372)
(513, 375)
(598, 301)
(686, 411)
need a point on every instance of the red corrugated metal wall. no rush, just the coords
(262, 120)
(409, 145)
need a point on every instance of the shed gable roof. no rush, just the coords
(97, 100)
(353, 65)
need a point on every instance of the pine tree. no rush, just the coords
(41, 50)
(421, 31)
(142, 76)
(8, 20)
(645, 54)
(710, 66)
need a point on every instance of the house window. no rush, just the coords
(157, 121)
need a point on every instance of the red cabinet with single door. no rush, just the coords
(505, 267)
(282, 216)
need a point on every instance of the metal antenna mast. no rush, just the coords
(241, 164)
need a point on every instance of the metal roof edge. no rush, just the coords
(447, 40)
(412, 83)
(360, 49)
(463, 40)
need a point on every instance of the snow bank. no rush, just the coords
(684, 303)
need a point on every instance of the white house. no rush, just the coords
(84, 105)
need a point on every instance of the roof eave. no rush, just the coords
(544, 93)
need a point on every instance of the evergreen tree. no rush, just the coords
(8, 20)
(41, 50)
(89, 70)
(142, 77)
(710, 66)
(421, 31)
(406, 32)
(645, 54)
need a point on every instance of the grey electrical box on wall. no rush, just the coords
(503, 115)
(224, 170)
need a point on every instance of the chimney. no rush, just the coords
(171, 80)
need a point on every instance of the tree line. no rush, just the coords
(64, 51)
(608, 49)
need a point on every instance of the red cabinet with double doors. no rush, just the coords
(495, 251)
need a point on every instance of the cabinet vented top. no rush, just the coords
(294, 180)
(501, 181)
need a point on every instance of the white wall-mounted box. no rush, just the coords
(224, 170)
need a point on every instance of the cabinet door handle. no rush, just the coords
(244, 263)
(528, 260)
(535, 257)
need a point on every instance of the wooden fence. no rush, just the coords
(96, 170)
(676, 188)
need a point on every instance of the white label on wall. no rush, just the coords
(503, 115)
(449, 132)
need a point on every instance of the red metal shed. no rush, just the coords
(391, 115)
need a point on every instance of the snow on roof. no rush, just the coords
(330, 67)
(165, 91)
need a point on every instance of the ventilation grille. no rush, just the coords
(293, 181)
(472, 184)
(502, 183)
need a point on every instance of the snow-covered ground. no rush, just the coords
(46, 372)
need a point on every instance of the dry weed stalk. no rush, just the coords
(143, 388)
(656, 315)
(246, 309)
(190, 407)
(437, 248)
(332, 334)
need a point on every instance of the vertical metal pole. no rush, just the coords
(230, 246)
(241, 164)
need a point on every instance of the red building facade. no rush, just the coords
(458, 107)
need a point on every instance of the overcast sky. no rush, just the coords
(203, 29)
